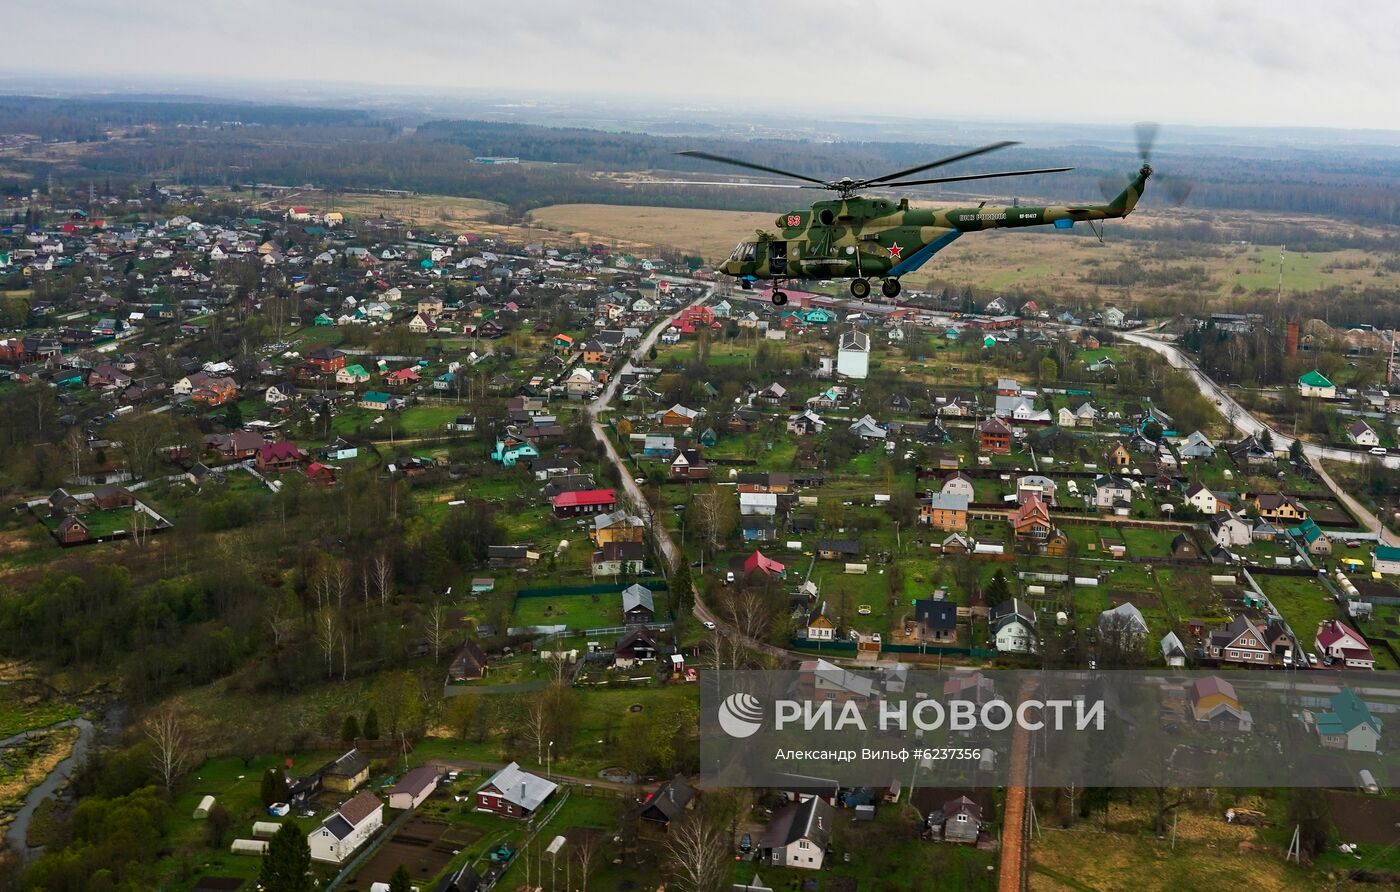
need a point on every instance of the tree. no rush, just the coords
(998, 590)
(1266, 439)
(699, 853)
(217, 823)
(462, 714)
(170, 746)
(287, 865)
(400, 881)
(682, 589)
(274, 786)
(371, 727)
(398, 698)
(1049, 371)
(1295, 452)
(435, 629)
(350, 729)
(233, 417)
(1309, 812)
(716, 514)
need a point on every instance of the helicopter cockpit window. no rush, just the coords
(744, 252)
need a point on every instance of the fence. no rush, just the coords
(848, 647)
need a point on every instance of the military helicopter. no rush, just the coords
(861, 237)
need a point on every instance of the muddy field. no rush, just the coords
(423, 846)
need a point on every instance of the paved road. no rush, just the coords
(1238, 414)
(1246, 422)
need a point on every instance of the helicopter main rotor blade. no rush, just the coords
(971, 153)
(977, 176)
(735, 162)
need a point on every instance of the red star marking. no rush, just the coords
(894, 250)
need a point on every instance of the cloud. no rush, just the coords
(1246, 62)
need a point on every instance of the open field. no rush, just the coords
(711, 234)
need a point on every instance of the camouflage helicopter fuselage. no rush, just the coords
(857, 237)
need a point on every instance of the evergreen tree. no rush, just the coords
(682, 594)
(1266, 439)
(1295, 452)
(399, 880)
(350, 730)
(998, 590)
(287, 865)
(371, 726)
(274, 786)
(233, 417)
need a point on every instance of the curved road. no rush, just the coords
(1240, 417)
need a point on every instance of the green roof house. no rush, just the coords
(1349, 725)
(1314, 383)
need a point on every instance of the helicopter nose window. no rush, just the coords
(743, 252)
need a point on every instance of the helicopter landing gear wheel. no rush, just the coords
(860, 289)
(779, 298)
(890, 288)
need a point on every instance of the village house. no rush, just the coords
(280, 456)
(1200, 497)
(468, 663)
(935, 620)
(581, 502)
(1213, 702)
(819, 626)
(668, 803)
(415, 786)
(1315, 384)
(798, 834)
(1197, 445)
(944, 512)
(346, 773)
(514, 793)
(346, 829)
(1338, 642)
(1361, 434)
(638, 606)
(637, 646)
(995, 434)
(617, 526)
(959, 820)
(619, 559)
(1012, 625)
(1279, 509)
(1348, 725)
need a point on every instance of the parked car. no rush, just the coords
(709, 625)
(745, 843)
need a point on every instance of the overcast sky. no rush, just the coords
(1269, 62)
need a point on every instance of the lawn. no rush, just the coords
(580, 611)
(1302, 601)
(100, 522)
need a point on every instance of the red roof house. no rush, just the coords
(279, 456)
(1338, 641)
(584, 501)
(758, 562)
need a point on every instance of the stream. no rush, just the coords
(17, 833)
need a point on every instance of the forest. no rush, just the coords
(349, 150)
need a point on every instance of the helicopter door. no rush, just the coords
(777, 258)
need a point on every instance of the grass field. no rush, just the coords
(711, 234)
(580, 611)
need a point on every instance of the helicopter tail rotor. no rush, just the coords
(1176, 188)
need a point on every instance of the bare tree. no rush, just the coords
(279, 620)
(747, 615)
(383, 572)
(435, 629)
(699, 853)
(171, 745)
(327, 635)
(76, 446)
(584, 852)
(537, 720)
(715, 515)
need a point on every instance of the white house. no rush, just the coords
(1109, 491)
(1339, 642)
(1228, 530)
(346, 829)
(761, 503)
(1197, 445)
(1202, 499)
(414, 787)
(1013, 627)
(1385, 560)
(799, 834)
(1114, 317)
(1173, 651)
(958, 484)
(1314, 383)
(1361, 434)
(853, 355)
